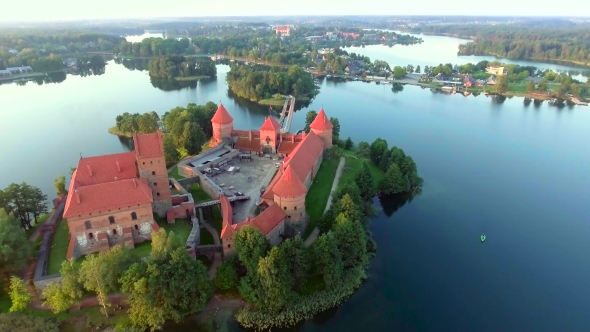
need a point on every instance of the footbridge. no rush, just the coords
(216, 201)
(287, 114)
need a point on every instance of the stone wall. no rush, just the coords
(42, 282)
(160, 207)
(206, 183)
(274, 236)
(311, 176)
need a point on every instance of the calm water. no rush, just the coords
(516, 173)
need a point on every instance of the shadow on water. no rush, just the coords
(126, 142)
(221, 321)
(173, 85)
(392, 203)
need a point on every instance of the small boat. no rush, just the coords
(483, 237)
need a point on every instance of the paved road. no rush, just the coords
(316, 231)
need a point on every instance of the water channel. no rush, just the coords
(516, 173)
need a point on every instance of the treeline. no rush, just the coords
(168, 286)
(155, 47)
(260, 82)
(58, 42)
(515, 41)
(186, 129)
(37, 61)
(172, 66)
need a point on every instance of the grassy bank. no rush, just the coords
(272, 102)
(317, 197)
(353, 164)
(192, 78)
(116, 131)
(59, 247)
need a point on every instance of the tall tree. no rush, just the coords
(328, 259)
(502, 84)
(399, 72)
(275, 280)
(193, 138)
(335, 127)
(378, 147)
(19, 295)
(170, 153)
(364, 150)
(364, 180)
(530, 86)
(15, 248)
(226, 276)
(309, 117)
(60, 186)
(418, 69)
(351, 239)
(251, 245)
(60, 296)
(393, 182)
(348, 144)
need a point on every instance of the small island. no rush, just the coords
(182, 68)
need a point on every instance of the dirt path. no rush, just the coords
(217, 242)
(316, 231)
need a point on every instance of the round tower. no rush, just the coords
(223, 124)
(322, 127)
(289, 194)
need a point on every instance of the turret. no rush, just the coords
(223, 124)
(322, 127)
(268, 133)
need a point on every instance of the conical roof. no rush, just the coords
(222, 116)
(321, 122)
(289, 185)
(270, 123)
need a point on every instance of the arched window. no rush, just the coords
(295, 208)
(88, 224)
(90, 236)
(133, 216)
(136, 227)
(114, 231)
(111, 220)
(229, 245)
(153, 173)
(284, 208)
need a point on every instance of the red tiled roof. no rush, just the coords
(287, 147)
(321, 122)
(268, 219)
(270, 124)
(155, 227)
(268, 193)
(289, 185)
(283, 28)
(104, 169)
(148, 145)
(222, 116)
(246, 144)
(107, 196)
(305, 155)
(227, 217)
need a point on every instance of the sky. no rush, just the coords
(85, 9)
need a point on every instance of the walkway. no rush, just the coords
(316, 231)
(217, 256)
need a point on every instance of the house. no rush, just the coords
(331, 35)
(5, 73)
(283, 31)
(314, 38)
(480, 83)
(497, 70)
(352, 69)
(283, 201)
(491, 80)
(113, 198)
(352, 35)
(19, 70)
(197, 49)
(469, 81)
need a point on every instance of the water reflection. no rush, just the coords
(397, 87)
(392, 203)
(133, 64)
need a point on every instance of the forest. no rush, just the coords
(261, 82)
(565, 42)
(173, 66)
(151, 47)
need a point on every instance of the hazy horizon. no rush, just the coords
(69, 10)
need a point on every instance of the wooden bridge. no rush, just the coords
(216, 201)
(287, 114)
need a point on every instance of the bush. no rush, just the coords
(226, 277)
(26, 323)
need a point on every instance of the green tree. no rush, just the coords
(193, 137)
(328, 259)
(418, 69)
(26, 202)
(170, 153)
(275, 280)
(575, 90)
(364, 150)
(309, 117)
(19, 295)
(27, 323)
(530, 86)
(60, 186)
(378, 148)
(399, 72)
(335, 127)
(348, 144)
(386, 160)
(352, 242)
(410, 69)
(393, 182)
(502, 84)
(542, 85)
(364, 180)
(56, 299)
(226, 276)
(15, 248)
(251, 245)
(60, 296)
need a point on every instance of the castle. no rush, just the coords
(112, 198)
(284, 198)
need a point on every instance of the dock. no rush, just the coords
(578, 102)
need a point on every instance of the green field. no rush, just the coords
(59, 247)
(317, 197)
(355, 164)
(192, 78)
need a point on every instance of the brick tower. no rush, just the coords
(223, 124)
(322, 127)
(151, 164)
(268, 133)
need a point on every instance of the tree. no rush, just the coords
(588, 80)
(530, 86)
(502, 84)
(19, 295)
(385, 160)
(378, 148)
(364, 180)
(170, 153)
(169, 286)
(348, 144)
(25, 202)
(575, 90)
(60, 186)
(335, 127)
(364, 150)
(275, 280)
(27, 323)
(193, 138)
(55, 298)
(328, 259)
(251, 245)
(399, 72)
(542, 85)
(226, 276)
(15, 248)
(410, 69)
(309, 117)
(352, 242)
(393, 182)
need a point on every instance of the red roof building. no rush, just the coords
(321, 122)
(270, 123)
(289, 185)
(222, 116)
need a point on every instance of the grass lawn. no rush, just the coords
(272, 102)
(59, 247)
(199, 195)
(174, 174)
(143, 249)
(355, 165)
(39, 222)
(181, 228)
(115, 131)
(206, 237)
(317, 197)
(191, 78)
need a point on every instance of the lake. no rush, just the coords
(516, 173)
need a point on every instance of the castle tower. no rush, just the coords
(223, 124)
(268, 133)
(322, 127)
(289, 194)
(151, 164)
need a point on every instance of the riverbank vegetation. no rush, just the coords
(259, 82)
(180, 67)
(154, 47)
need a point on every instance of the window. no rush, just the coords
(90, 236)
(284, 208)
(151, 162)
(295, 208)
(111, 220)
(144, 162)
(155, 183)
(114, 232)
(88, 224)
(133, 216)
(158, 194)
(288, 217)
(136, 227)
(229, 245)
(153, 173)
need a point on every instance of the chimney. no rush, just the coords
(118, 166)
(292, 138)
(303, 134)
(89, 168)
(249, 134)
(77, 195)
